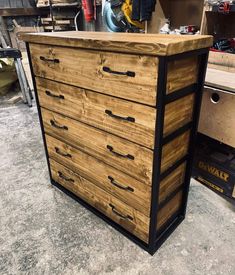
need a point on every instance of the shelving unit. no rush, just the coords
(60, 16)
(220, 25)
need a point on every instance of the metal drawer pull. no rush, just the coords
(127, 217)
(127, 188)
(53, 123)
(64, 178)
(127, 73)
(52, 95)
(54, 60)
(128, 156)
(130, 119)
(62, 154)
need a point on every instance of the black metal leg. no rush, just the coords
(161, 93)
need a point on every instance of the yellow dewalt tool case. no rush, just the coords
(214, 166)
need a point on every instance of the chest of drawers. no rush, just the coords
(119, 115)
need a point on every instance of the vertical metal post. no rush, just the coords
(20, 81)
(39, 109)
(24, 80)
(161, 93)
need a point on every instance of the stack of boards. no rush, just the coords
(62, 17)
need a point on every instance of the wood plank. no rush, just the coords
(222, 61)
(138, 194)
(181, 73)
(135, 222)
(94, 142)
(171, 182)
(217, 120)
(178, 113)
(174, 150)
(5, 4)
(149, 44)
(169, 210)
(220, 79)
(90, 108)
(19, 12)
(84, 68)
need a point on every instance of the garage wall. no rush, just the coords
(17, 3)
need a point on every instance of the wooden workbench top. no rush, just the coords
(149, 44)
(220, 80)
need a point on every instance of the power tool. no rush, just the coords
(117, 17)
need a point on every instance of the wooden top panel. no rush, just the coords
(149, 44)
(220, 80)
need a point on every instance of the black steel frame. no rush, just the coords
(156, 237)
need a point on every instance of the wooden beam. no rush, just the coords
(19, 11)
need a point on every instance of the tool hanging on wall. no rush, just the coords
(88, 9)
(224, 7)
(142, 9)
(118, 17)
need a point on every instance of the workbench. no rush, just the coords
(217, 118)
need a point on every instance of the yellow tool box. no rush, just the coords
(214, 166)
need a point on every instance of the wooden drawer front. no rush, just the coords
(182, 73)
(171, 183)
(132, 77)
(136, 160)
(129, 120)
(126, 188)
(217, 118)
(169, 209)
(174, 150)
(129, 218)
(178, 113)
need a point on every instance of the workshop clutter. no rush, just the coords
(224, 45)
(222, 6)
(121, 15)
(189, 29)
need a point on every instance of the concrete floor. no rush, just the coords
(42, 231)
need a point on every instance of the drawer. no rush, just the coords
(171, 183)
(169, 210)
(124, 187)
(128, 76)
(129, 120)
(129, 218)
(129, 157)
(178, 113)
(217, 118)
(175, 150)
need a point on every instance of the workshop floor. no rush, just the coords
(42, 231)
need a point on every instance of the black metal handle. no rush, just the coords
(126, 188)
(127, 73)
(127, 217)
(64, 178)
(128, 156)
(52, 95)
(53, 60)
(53, 123)
(62, 154)
(130, 119)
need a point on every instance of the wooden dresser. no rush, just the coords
(119, 115)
